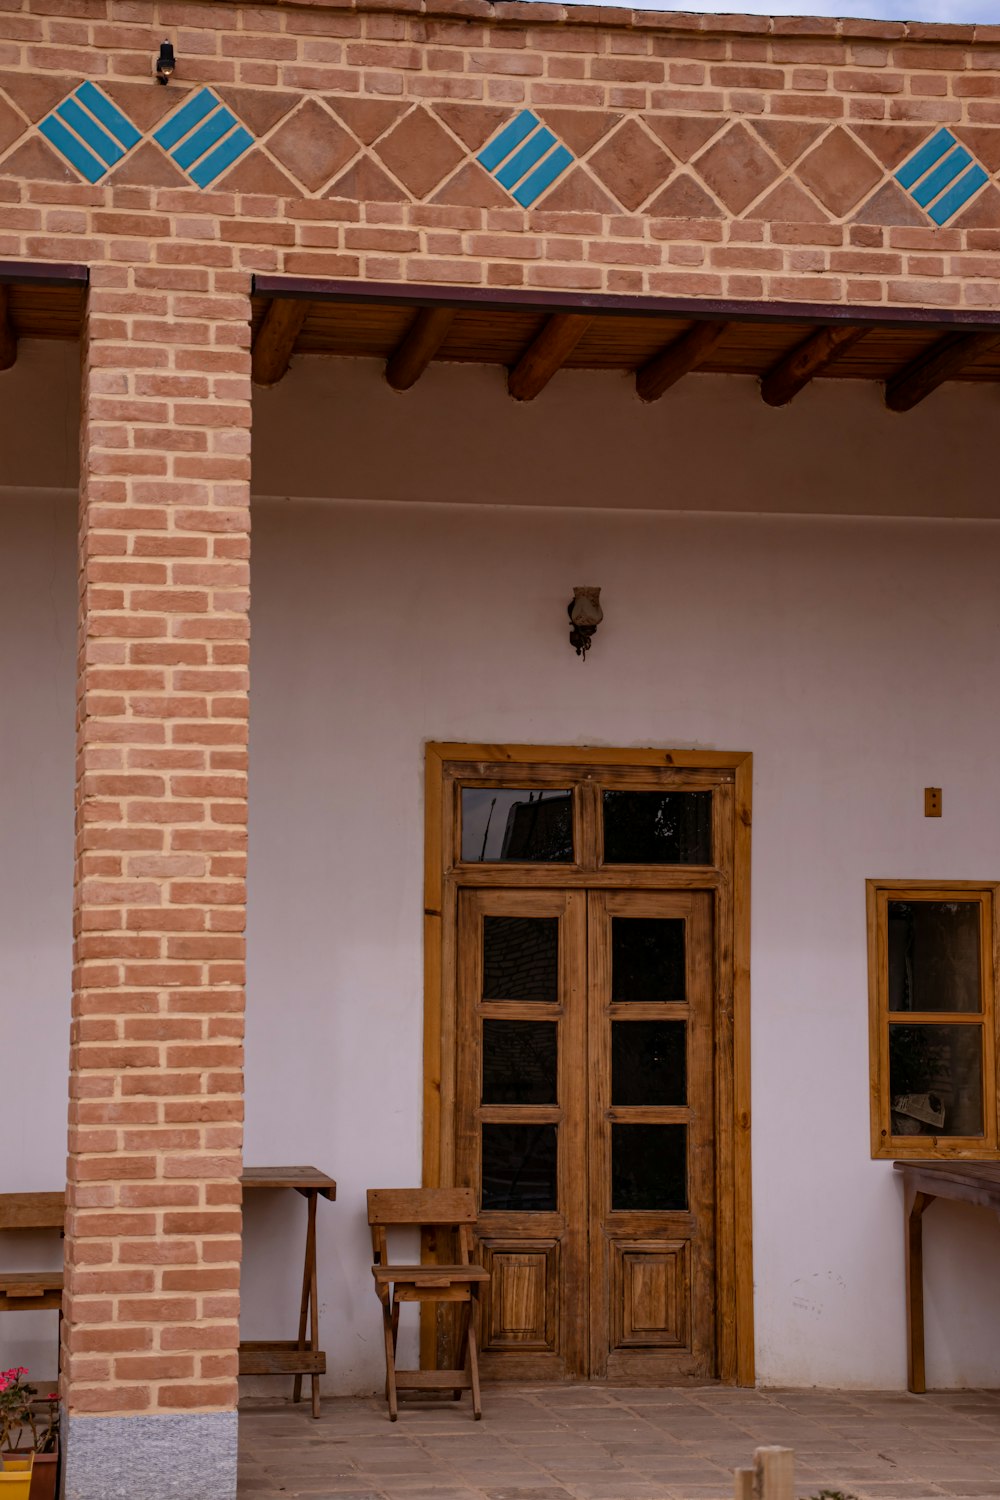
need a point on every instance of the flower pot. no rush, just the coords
(15, 1475)
(43, 1477)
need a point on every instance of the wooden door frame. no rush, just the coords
(731, 940)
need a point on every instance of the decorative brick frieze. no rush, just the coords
(665, 154)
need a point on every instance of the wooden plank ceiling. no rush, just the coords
(910, 358)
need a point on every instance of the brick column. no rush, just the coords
(153, 1229)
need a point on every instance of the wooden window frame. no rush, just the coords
(926, 1147)
(729, 878)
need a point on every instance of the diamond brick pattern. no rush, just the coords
(311, 145)
(839, 172)
(737, 168)
(631, 165)
(419, 152)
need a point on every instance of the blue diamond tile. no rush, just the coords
(941, 176)
(203, 137)
(90, 132)
(525, 158)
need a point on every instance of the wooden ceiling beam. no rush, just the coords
(8, 338)
(678, 359)
(418, 346)
(275, 339)
(546, 354)
(943, 361)
(808, 359)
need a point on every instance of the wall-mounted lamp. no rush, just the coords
(165, 63)
(585, 614)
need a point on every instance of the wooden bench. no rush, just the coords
(32, 1291)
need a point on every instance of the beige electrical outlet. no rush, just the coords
(932, 801)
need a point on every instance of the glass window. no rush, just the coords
(649, 1168)
(520, 958)
(932, 998)
(657, 828)
(508, 823)
(648, 1062)
(647, 959)
(519, 1062)
(519, 1168)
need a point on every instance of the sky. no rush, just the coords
(883, 10)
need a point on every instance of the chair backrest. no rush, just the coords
(424, 1206)
(32, 1210)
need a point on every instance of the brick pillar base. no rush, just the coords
(150, 1331)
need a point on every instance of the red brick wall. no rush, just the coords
(153, 1243)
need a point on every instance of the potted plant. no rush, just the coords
(29, 1439)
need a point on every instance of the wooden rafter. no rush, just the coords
(275, 339)
(8, 338)
(807, 360)
(418, 347)
(943, 361)
(678, 359)
(559, 336)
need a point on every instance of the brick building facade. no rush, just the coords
(511, 149)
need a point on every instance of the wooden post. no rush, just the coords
(774, 1474)
(743, 1484)
(914, 1205)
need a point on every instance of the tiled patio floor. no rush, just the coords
(595, 1443)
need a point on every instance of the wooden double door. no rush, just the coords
(585, 1117)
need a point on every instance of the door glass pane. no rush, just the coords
(648, 1167)
(519, 1062)
(934, 955)
(647, 958)
(520, 958)
(657, 828)
(501, 823)
(519, 1168)
(936, 1080)
(648, 1063)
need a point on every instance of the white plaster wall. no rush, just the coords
(855, 657)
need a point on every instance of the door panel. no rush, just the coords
(585, 1122)
(651, 1130)
(520, 1137)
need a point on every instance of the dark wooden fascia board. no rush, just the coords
(407, 294)
(56, 274)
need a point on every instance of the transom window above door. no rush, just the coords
(590, 825)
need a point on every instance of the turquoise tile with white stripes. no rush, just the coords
(525, 157)
(941, 176)
(203, 137)
(90, 132)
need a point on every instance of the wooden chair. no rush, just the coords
(32, 1291)
(426, 1208)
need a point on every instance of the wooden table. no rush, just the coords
(966, 1181)
(301, 1356)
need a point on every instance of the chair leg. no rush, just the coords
(390, 1322)
(461, 1359)
(477, 1400)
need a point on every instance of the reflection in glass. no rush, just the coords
(520, 958)
(647, 958)
(648, 1167)
(934, 955)
(519, 1168)
(936, 1080)
(648, 1063)
(658, 828)
(505, 823)
(519, 1062)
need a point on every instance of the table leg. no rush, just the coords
(313, 1299)
(308, 1283)
(914, 1206)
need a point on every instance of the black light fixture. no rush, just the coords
(585, 614)
(165, 63)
